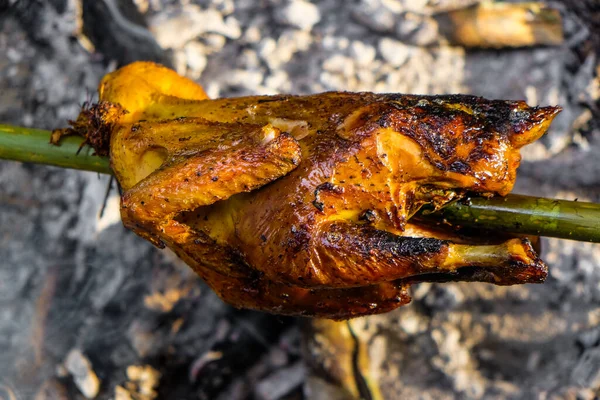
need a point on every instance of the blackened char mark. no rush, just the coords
(370, 242)
(460, 167)
(271, 99)
(325, 187)
(298, 238)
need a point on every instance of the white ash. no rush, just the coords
(298, 13)
(280, 383)
(80, 368)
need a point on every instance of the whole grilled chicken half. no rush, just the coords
(302, 205)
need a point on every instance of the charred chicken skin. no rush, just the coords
(302, 205)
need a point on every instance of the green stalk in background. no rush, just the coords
(514, 213)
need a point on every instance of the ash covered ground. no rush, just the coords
(89, 308)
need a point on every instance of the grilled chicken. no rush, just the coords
(302, 205)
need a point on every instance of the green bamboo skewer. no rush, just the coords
(33, 145)
(514, 213)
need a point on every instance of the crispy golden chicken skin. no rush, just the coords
(302, 205)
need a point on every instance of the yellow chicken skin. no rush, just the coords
(302, 205)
